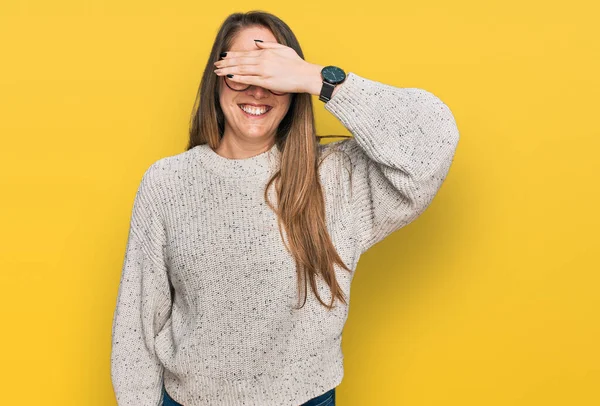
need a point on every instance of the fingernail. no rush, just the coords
(223, 54)
(258, 40)
(229, 75)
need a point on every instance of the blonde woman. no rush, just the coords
(214, 305)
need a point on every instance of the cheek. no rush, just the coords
(227, 105)
(285, 109)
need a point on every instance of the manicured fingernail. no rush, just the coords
(229, 75)
(223, 54)
(258, 40)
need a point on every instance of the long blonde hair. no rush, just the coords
(301, 205)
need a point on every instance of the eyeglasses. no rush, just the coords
(240, 87)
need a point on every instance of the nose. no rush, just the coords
(258, 92)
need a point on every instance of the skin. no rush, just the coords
(266, 65)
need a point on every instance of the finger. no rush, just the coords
(269, 44)
(235, 54)
(248, 60)
(239, 70)
(249, 80)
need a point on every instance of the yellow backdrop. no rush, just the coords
(489, 298)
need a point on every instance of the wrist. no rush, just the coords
(314, 81)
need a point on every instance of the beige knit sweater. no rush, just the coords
(207, 287)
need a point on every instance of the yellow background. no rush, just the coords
(491, 297)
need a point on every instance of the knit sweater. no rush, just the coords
(206, 296)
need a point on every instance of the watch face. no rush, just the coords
(333, 74)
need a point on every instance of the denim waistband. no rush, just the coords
(320, 400)
(327, 398)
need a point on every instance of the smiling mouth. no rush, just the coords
(253, 111)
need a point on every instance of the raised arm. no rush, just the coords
(403, 144)
(143, 304)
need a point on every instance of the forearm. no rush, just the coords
(403, 144)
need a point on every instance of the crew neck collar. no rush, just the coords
(256, 165)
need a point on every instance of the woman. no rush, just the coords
(226, 236)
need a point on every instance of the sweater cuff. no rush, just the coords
(348, 103)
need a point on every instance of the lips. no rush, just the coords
(256, 105)
(268, 108)
(253, 105)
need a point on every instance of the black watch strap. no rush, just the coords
(326, 92)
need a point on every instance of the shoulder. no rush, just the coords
(347, 151)
(337, 166)
(162, 174)
(167, 168)
(339, 159)
(336, 147)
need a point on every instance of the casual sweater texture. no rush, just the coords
(205, 301)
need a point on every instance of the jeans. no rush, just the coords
(325, 399)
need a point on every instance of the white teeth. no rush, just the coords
(257, 111)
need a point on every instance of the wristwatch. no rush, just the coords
(332, 76)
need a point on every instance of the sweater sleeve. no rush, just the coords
(143, 303)
(403, 144)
